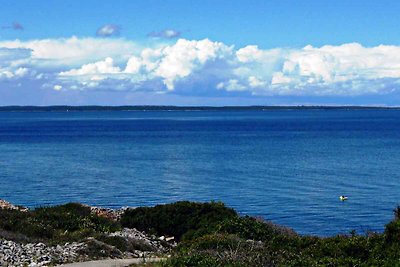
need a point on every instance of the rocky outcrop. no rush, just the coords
(127, 243)
(112, 214)
(151, 243)
(7, 205)
(14, 254)
(39, 254)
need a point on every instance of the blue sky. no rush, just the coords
(199, 52)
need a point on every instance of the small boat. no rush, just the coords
(343, 198)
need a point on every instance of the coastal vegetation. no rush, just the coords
(54, 225)
(245, 241)
(208, 234)
(183, 220)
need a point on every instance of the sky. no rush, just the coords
(209, 52)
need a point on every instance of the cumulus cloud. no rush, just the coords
(185, 57)
(202, 67)
(12, 56)
(348, 69)
(169, 63)
(67, 52)
(12, 62)
(168, 34)
(108, 30)
(101, 67)
(13, 74)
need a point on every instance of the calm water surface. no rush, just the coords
(289, 166)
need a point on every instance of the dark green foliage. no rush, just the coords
(397, 213)
(252, 228)
(193, 260)
(229, 250)
(65, 223)
(222, 250)
(392, 231)
(180, 219)
(211, 242)
(246, 241)
(210, 233)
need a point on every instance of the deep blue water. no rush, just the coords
(289, 166)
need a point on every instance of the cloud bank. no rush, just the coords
(200, 67)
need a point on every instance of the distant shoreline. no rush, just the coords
(64, 108)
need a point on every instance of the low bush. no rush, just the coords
(58, 224)
(192, 261)
(246, 241)
(180, 219)
(253, 228)
(222, 250)
(211, 234)
(392, 230)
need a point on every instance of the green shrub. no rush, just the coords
(252, 228)
(198, 261)
(212, 242)
(224, 250)
(210, 233)
(232, 242)
(177, 219)
(58, 224)
(392, 230)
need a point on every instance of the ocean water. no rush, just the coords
(288, 166)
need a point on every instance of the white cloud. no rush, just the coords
(256, 82)
(134, 65)
(12, 61)
(169, 34)
(278, 78)
(185, 57)
(14, 56)
(10, 73)
(252, 53)
(108, 30)
(169, 63)
(6, 74)
(20, 72)
(119, 64)
(231, 85)
(329, 70)
(67, 52)
(105, 66)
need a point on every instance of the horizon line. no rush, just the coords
(179, 107)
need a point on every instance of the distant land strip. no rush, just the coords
(62, 108)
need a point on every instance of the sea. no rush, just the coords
(288, 166)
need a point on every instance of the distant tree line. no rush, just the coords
(161, 108)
